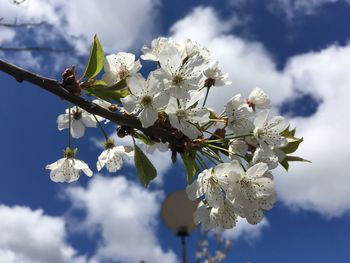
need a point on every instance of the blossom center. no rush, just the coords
(181, 114)
(77, 114)
(209, 82)
(258, 132)
(146, 100)
(124, 72)
(177, 80)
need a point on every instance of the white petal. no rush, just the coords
(193, 191)
(81, 165)
(261, 118)
(137, 85)
(55, 165)
(202, 215)
(114, 163)
(88, 120)
(77, 129)
(129, 102)
(257, 170)
(148, 117)
(102, 160)
(170, 60)
(160, 100)
(63, 121)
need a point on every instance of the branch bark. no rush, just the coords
(53, 86)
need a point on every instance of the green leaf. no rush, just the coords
(288, 133)
(95, 61)
(285, 164)
(190, 165)
(293, 144)
(107, 94)
(291, 158)
(144, 168)
(144, 138)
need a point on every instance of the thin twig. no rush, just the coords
(46, 49)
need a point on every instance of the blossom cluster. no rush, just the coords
(228, 157)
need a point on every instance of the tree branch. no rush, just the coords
(46, 49)
(54, 87)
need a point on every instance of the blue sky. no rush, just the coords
(296, 50)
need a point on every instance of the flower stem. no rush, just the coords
(201, 161)
(219, 148)
(101, 128)
(206, 96)
(69, 125)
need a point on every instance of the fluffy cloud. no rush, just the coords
(119, 24)
(126, 215)
(32, 237)
(322, 185)
(292, 7)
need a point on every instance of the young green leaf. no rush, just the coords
(290, 158)
(190, 166)
(107, 94)
(293, 144)
(288, 133)
(144, 168)
(95, 61)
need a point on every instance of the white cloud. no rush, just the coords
(293, 7)
(29, 236)
(246, 231)
(126, 215)
(120, 25)
(323, 185)
(290, 8)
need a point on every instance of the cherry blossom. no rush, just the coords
(120, 66)
(80, 119)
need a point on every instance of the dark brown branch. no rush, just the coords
(54, 87)
(46, 49)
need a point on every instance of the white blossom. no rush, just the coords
(189, 48)
(238, 116)
(80, 119)
(157, 46)
(202, 216)
(237, 147)
(223, 217)
(177, 76)
(269, 131)
(146, 99)
(68, 169)
(214, 76)
(120, 66)
(214, 183)
(183, 116)
(252, 191)
(266, 155)
(112, 158)
(258, 99)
